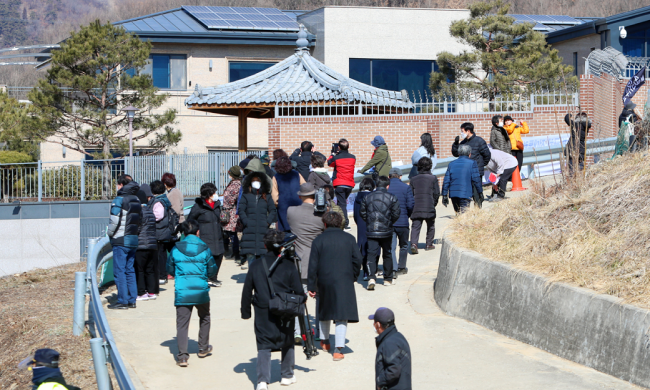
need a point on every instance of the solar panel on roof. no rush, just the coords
(243, 18)
(541, 18)
(279, 18)
(522, 18)
(269, 11)
(564, 19)
(244, 10)
(231, 17)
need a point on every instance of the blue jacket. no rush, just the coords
(461, 175)
(191, 263)
(404, 194)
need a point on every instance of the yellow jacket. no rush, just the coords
(515, 131)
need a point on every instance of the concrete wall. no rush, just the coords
(381, 33)
(582, 46)
(574, 323)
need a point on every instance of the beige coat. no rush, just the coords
(306, 225)
(176, 199)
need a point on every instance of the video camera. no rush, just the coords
(288, 250)
(320, 201)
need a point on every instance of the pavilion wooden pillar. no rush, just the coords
(242, 115)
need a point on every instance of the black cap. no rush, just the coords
(383, 315)
(46, 357)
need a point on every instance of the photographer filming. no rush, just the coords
(273, 332)
(306, 224)
(343, 163)
(302, 157)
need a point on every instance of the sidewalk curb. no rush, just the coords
(574, 323)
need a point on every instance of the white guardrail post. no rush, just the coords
(78, 319)
(99, 361)
(103, 346)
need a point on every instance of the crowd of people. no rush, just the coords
(265, 202)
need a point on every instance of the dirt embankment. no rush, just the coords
(591, 231)
(36, 312)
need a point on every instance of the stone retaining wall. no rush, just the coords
(574, 323)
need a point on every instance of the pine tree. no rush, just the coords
(14, 118)
(78, 104)
(504, 57)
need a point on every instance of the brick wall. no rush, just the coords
(600, 97)
(402, 133)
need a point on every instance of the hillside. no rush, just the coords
(29, 22)
(590, 232)
(47, 21)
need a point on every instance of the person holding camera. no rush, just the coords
(306, 223)
(343, 163)
(334, 266)
(272, 333)
(302, 157)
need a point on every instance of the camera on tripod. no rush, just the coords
(287, 246)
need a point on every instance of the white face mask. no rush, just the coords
(215, 197)
(463, 135)
(375, 328)
(500, 124)
(256, 185)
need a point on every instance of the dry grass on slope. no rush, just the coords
(36, 312)
(592, 232)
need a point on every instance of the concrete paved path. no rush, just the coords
(447, 353)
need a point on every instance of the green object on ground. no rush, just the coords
(106, 273)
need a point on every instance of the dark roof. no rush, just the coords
(178, 26)
(299, 78)
(596, 25)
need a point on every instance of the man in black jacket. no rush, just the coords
(393, 361)
(123, 230)
(480, 151)
(380, 210)
(302, 157)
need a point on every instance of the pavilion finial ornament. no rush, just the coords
(302, 41)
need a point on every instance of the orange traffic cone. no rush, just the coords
(516, 181)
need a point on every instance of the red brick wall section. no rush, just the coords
(600, 97)
(402, 133)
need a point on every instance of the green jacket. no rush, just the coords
(377, 161)
(191, 263)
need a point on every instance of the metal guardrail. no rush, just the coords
(531, 156)
(99, 250)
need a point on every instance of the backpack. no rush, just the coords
(167, 225)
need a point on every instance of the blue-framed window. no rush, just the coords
(395, 75)
(238, 70)
(169, 71)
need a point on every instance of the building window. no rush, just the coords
(243, 69)
(395, 75)
(575, 63)
(167, 71)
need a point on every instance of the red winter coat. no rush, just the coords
(343, 164)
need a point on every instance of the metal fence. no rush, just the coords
(423, 104)
(58, 180)
(191, 170)
(100, 250)
(84, 180)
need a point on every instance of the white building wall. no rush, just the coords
(38, 243)
(381, 33)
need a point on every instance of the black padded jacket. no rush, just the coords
(380, 210)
